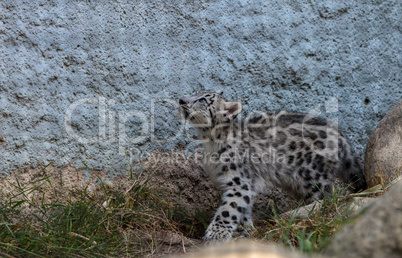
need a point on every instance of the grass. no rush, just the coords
(37, 219)
(310, 233)
(107, 221)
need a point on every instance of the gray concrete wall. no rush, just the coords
(122, 55)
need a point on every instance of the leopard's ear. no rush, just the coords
(220, 93)
(232, 108)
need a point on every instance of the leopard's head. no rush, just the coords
(207, 109)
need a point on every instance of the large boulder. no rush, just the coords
(384, 150)
(246, 248)
(376, 233)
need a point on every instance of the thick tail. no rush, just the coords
(353, 175)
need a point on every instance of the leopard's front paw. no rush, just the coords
(218, 233)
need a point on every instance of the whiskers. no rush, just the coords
(184, 112)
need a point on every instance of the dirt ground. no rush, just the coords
(182, 183)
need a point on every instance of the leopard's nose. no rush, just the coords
(182, 102)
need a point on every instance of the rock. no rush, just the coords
(359, 203)
(376, 233)
(352, 204)
(304, 211)
(246, 248)
(171, 238)
(383, 157)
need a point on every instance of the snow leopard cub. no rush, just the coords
(296, 152)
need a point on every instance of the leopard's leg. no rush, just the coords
(234, 214)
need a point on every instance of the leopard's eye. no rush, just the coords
(202, 101)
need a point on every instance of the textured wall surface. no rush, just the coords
(125, 57)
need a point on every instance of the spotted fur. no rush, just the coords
(296, 152)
